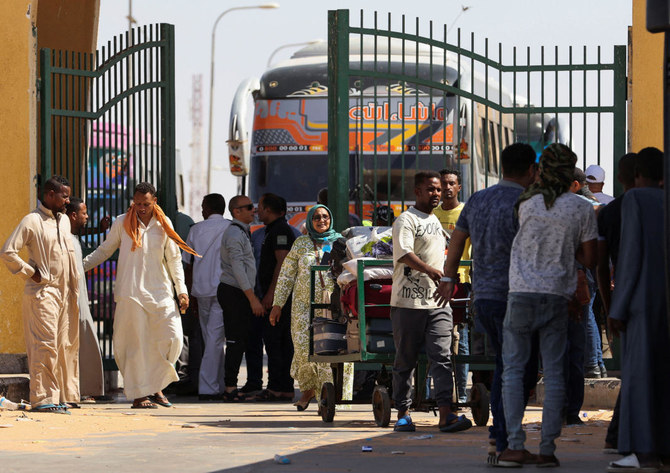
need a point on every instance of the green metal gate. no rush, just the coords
(107, 122)
(400, 101)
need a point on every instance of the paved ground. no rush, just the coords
(217, 437)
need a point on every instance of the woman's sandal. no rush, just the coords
(233, 396)
(160, 399)
(52, 408)
(302, 405)
(144, 403)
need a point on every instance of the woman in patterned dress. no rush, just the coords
(294, 277)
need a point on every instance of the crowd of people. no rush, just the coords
(549, 250)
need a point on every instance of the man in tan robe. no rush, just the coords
(50, 310)
(148, 335)
(91, 375)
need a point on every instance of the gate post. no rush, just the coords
(168, 154)
(338, 118)
(619, 124)
(45, 117)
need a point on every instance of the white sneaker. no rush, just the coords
(630, 464)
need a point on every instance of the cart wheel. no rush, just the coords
(479, 404)
(381, 406)
(327, 406)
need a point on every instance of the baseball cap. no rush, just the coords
(594, 173)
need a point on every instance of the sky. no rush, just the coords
(245, 39)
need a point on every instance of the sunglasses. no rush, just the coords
(248, 207)
(321, 217)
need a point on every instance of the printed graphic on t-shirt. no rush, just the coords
(412, 287)
(421, 234)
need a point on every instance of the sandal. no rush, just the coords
(160, 399)
(303, 405)
(456, 424)
(233, 396)
(52, 408)
(143, 403)
(70, 405)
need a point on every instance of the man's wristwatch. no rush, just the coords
(447, 279)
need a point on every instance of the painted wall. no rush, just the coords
(57, 24)
(18, 107)
(646, 79)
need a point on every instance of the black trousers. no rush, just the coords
(236, 318)
(254, 353)
(279, 347)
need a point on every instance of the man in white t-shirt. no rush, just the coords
(418, 255)
(556, 229)
(202, 279)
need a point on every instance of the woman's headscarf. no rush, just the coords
(131, 226)
(329, 235)
(557, 172)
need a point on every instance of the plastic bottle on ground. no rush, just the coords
(282, 460)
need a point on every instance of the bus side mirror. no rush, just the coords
(238, 157)
(238, 137)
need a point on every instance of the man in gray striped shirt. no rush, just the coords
(236, 290)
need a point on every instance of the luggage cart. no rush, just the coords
(331, 393)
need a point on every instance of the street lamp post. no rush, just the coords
(265, 6)
(283, 46)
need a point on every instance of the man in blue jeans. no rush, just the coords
(556, 229)
(488, 219)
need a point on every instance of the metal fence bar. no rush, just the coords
(338, 119)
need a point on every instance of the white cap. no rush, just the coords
(594, 173)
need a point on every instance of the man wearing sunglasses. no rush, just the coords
(236, 290)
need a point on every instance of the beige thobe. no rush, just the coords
(50, 310)
(148, 335)
(91, 374)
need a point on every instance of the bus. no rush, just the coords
(395, 128)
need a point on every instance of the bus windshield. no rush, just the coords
(298, 179)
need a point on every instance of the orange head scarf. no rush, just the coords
(132, 228)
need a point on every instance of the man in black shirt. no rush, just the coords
(279, 237)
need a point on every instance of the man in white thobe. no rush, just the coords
(91, 374)
(147, 336)
(205, 238)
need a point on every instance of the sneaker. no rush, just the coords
(547, 461)
(603, 371)
(592, 372)
(515, 459)
(404, 424)
(632, 463)
(571, 421)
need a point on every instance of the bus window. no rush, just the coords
(493, 146)
(508, 137)
(483, 145)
